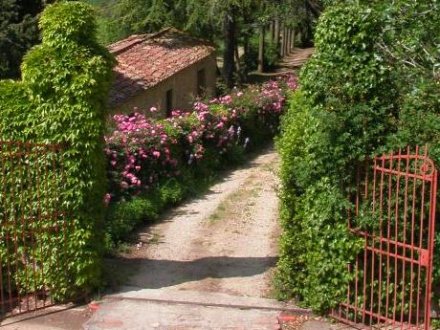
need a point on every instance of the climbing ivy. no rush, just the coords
(371, 86)
(62, 99)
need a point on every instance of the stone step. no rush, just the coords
(136, 308)
(203, 298)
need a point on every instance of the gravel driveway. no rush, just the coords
(225, 241)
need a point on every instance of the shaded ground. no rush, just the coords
(63, 317)
(295, 60)
(288, 64)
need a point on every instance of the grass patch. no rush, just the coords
(239, 203)
(155, 239)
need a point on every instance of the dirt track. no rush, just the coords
(225, 241)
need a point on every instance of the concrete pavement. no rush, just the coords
(142, 309)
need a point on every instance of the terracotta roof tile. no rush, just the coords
(146, 60)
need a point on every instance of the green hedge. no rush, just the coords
(371, 86)
(61, 99)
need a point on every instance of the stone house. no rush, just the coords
(166, 70)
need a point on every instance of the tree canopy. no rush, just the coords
(230, 23)
(18, 32)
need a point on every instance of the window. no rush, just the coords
(169, 102)
(201, 82)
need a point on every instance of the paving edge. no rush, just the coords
(293, 310)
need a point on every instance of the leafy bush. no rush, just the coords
(161, 160)
(123, 217)
(374, 72)
(61, 99)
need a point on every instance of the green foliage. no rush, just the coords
(171, 192)
(319, 247)
(271, 56)
(123, 217)
(61, 99)
(18, 33)
(29, 232)
(14, 110)
(236, 155)
(371, 86)
(412, 48)
(126, 215)
(229, 23)
(349, 44)
(78, 26)
(315, 245)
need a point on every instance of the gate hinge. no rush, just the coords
(424, 257)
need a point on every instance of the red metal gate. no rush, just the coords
(33, 226)
(395, 208)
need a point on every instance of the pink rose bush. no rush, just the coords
(142, 152)
(138, 153)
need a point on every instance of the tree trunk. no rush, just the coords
(237, 61)
(292, 45)
(261, 50)
(282, 40)
(285, 52)
(229, 52)
(246, 44)
(299, 37)
(277, 35)
(272, 32)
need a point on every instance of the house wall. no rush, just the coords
(184, 85)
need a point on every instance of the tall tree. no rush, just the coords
(18, 33)
(144, 16)
(224, 16)
(230, 41)
(229, 21)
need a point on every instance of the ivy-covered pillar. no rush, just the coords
(67, 79)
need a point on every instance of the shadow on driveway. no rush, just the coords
(156, 274)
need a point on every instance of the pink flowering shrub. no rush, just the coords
(138, 153)
(144, 155)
